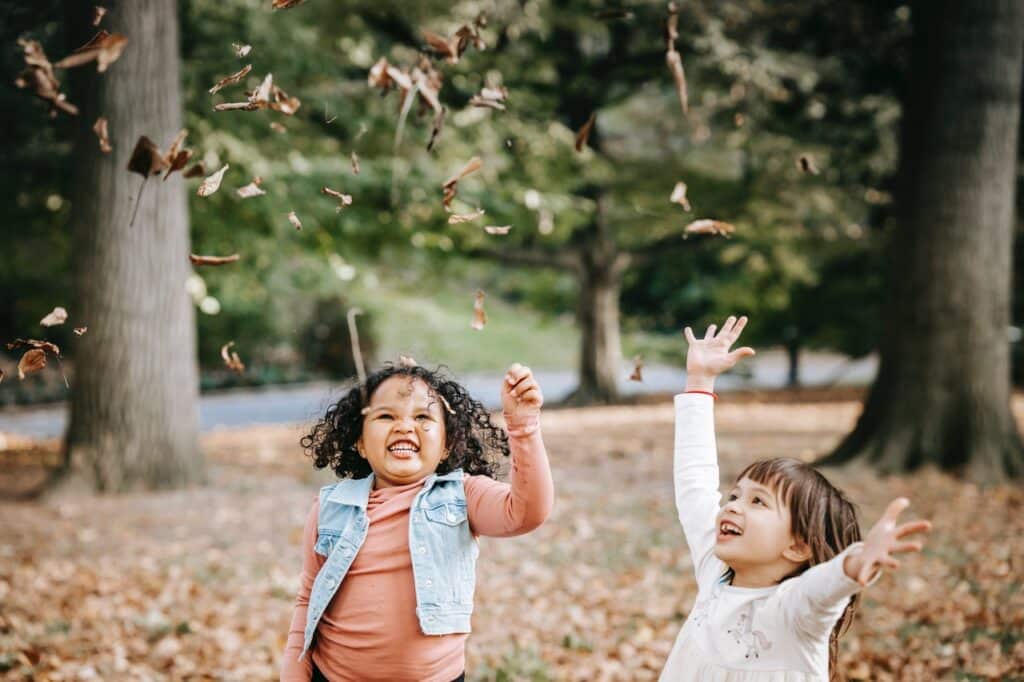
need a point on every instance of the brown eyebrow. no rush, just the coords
(756, 487)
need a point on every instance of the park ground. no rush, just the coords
(198, 584)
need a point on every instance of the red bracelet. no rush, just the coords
(710, 393)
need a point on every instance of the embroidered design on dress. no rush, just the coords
(744, 633)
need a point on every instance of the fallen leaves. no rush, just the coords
(343, 199)
(479, 316)
(212, 182)
(231, 80)
(708, 226)
(251, 190)
(100, 128)
(450, 186)
(213, 260)
(231, 359)
(584, 133)
(55, 317)
(104, 48)
(672, 58)
(294, 220)
(39, 77)
(679, 196)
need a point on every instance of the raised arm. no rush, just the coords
(292, 669)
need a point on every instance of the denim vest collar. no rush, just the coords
(355, 492)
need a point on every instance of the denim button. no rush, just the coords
(423, 549)
(429, 582)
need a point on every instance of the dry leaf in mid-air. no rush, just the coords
(496, 229)
(97, 14)
(2, 375)
(456, 218)
(229, 80)
(406, 361)
(212, 183)
(177, 156)
(493, 98)
(39, 76)
(100, 128)
(479, 316)
(286, 4)
(452, 48)
(672, 58)
(638, 365)
(80, 330)
(35, 343)
(266, 96)
(241, 50)
(57, 316)
(146, 158)
(679, 196)
(231, 359)
(104, 47)
(213, 260)
(252, 189)
(584, 134)
(32, 361)
(294, 220)
(708, 226)
(278, 127)
(450, 187)
(435, 129)
(355, 164)
(198, 170)
(806, 163)
(343, 199)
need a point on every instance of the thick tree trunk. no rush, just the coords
(942, 394)
(134, 403)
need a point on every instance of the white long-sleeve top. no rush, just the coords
(740, 634)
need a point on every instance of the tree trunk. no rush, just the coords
(942, 394)
(134, 401)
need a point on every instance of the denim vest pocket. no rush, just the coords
(449, 513)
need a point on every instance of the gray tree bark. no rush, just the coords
(942, 394)
(134, 403)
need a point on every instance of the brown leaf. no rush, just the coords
(679, 196)
(251, 190)
(32, 361)
(196, 171)
(355, 164)
(806, 163)
(479, 316)
(97, 14)
(343, 199)
(286, 4)
(294, 220)
(638, 365)
(57, 316)
(241, 50)
(493, 98)
(672, 58)
(39, 76)
(34, 343)
(708, 226)
(176, 157)
(104, 47)
(442, 46)
(456, 218)
(212, 183)
(146, 159)
(213, 260)
(229, 80)
(100, 128)
(450, 187)
(406, 361)
(2, 375)
(231, 360)
(435, 130)
(584, 134)
(494, 229)
(452, 48)
(266, 96)
(79, 331)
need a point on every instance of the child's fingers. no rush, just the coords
(518, 382)
(688, 333)
(738, 327)
(904, 547)
(894, 509)
(515, 373)
(890, 562)
(727, 326)
(710, 333)
(912, 527)
(531, 396)
(741, 353)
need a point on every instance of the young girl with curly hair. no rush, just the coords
(389, 551)
(780, 565)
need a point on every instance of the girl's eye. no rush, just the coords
(732, 496)
(424, 416)
(758, 500)
(383, 416)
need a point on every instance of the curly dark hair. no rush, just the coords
(473, 440)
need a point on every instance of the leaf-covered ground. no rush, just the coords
(199, 584)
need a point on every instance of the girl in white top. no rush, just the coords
(780, 565)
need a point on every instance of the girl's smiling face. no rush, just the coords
(403, 435)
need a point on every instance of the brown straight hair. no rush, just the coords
(821, 516)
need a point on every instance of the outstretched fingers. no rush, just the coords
(690, 338)
(913, 527)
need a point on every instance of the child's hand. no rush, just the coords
(520, 392)
(708, 357)
(883, 541)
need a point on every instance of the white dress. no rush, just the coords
(738, 634)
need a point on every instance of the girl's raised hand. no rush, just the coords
(520, 392)
(884, 540)
(708, 357)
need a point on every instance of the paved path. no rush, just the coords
(300, 404)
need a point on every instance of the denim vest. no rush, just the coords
(443, 551)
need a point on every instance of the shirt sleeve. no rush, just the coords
(695, 469)
(814, 600)
(505, 509)
(292, 669)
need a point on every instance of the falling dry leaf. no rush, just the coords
(495, 229)
(146, 159)
(479, 316)
(32, 361)
(196, 171)
(79, 331)
(294, 220)
(35, 343)
(39, 76)
(100, 128)
(739, 119)
(2, 375)
(252, 189)
(638, 365)
(493, 98)
(212, 183)
(456, 218)
(231, 360)
(708, 226)
(104, 47)
(343, 199)
(450, 186)
(355, 164)
(213, 260)
(277, 127)
(584, 134)
(435, 129)
(241, 50)
(672, 58)
(97, 14)
(806, 163)
(229, 80)
(266, 96)
(452, 48)
(406, 361)
(57, 316)
(286, 4)
(176, 156)
(679, 196)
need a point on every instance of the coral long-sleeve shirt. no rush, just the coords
(370, 631)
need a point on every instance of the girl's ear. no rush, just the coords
(798, 552)
(359, 447)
